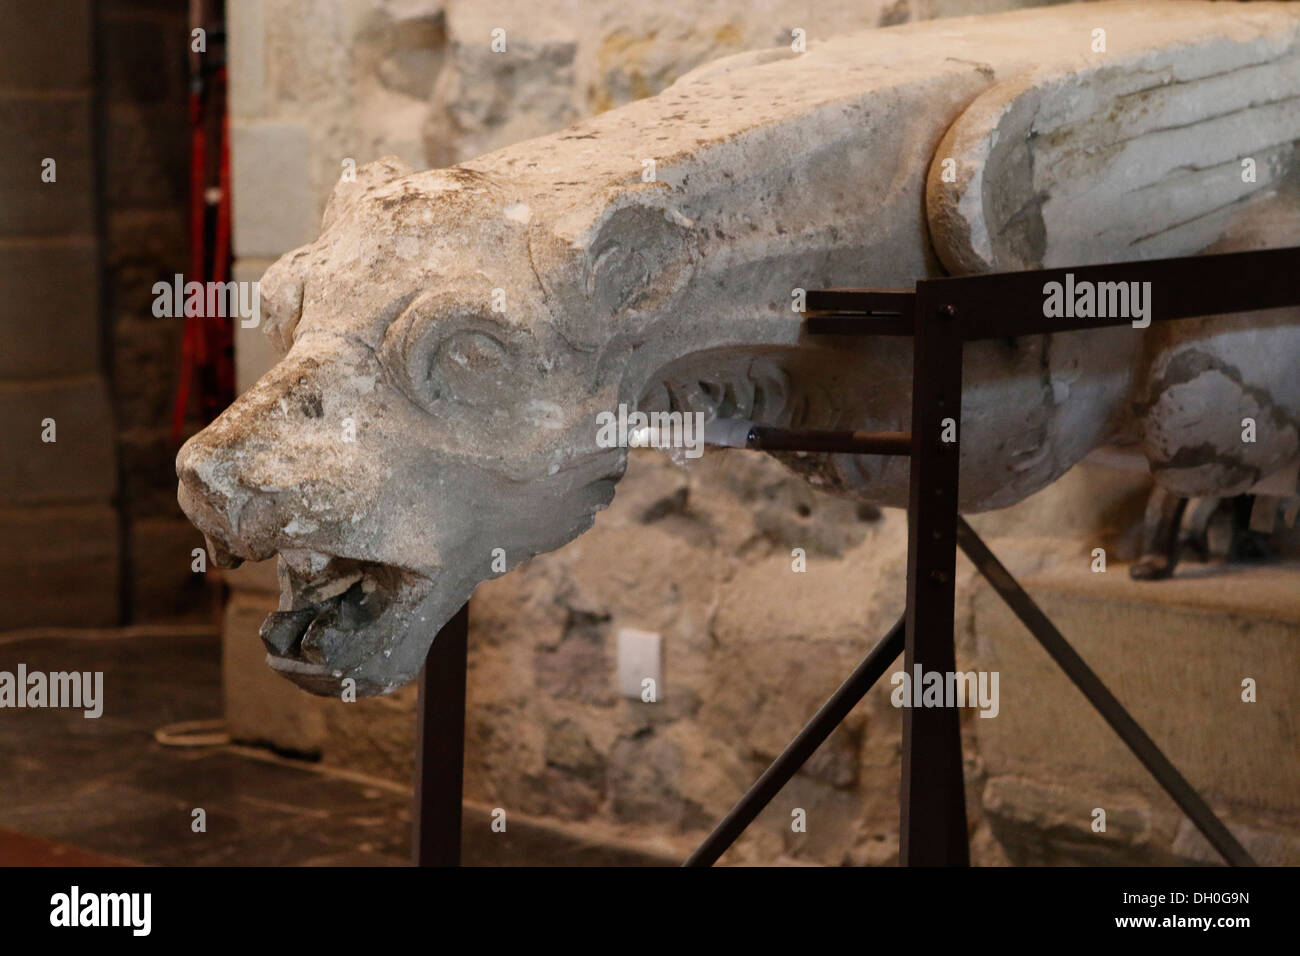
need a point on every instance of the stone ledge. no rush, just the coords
(1262, 592)
(1175, 655)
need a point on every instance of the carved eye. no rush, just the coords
(471, 366)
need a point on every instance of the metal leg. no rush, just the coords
(440, 747)
(1143, 747)
(784, 767)
(933, 800)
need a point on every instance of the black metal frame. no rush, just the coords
(941, 316)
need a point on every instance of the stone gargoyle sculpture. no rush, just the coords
(452, 336)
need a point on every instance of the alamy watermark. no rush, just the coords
(82, 690)
(951, 689)
(1101, 300)
(635, 429)
(212, 300)
(130, 910)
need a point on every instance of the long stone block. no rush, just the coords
(1176, 654)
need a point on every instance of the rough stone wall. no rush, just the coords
(703, 556)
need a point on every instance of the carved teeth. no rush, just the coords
(282, 630)
(318, 591)
(309, 577)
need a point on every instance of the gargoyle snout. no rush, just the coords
(241, 486)
(240, 521)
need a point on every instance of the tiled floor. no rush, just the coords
(105, 785)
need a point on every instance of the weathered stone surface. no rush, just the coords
(1046, 825)
(146, 374)
(566, 60)
(144, 454)
(142, 60)
(144, 246)
(427, 373)
(1156, 142)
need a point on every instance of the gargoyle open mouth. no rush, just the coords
(341, 618)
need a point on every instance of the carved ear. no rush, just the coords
(1142, 160)
(628, 256)
(638, 258)
(349, 190)
(280, 297)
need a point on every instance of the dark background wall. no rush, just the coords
(90, 533)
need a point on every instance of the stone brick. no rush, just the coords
(1043, 824)
(49, 314)
(79, 465)
(37, 128)
(46, 45)
(645, 778)
(270, 188)
(59, 567)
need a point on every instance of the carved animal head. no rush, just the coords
(433, 418)
(451, 338)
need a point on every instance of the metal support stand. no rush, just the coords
(440, 747)
(941, 315)
(932, 828)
